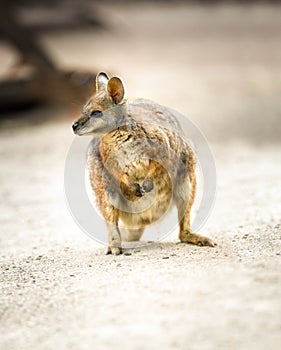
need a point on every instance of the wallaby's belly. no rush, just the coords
(142, 194)
(145, 193)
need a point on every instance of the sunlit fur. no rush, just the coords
(139, 164)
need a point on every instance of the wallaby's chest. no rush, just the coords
(139, 170)
(136, 150)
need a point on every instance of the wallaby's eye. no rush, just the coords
(96, 114)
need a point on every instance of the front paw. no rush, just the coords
(114, 250)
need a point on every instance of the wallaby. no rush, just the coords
(139, 164)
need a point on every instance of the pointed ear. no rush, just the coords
(115, 89)
(101, 81)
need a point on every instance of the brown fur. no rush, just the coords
(139, 164)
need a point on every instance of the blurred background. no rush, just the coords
(219, 63)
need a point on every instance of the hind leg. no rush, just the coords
(113, 232)
(118, 233)
(114, 240)
(184, 196)
(186, 236)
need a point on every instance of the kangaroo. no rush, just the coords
(139, 164)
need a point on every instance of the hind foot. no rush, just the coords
(114, 250)
(194, 238)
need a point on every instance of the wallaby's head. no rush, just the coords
(103, 111)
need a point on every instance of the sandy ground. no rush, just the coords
(59, 289)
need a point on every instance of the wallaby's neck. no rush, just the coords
(118, 122)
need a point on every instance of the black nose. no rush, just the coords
(75, 126)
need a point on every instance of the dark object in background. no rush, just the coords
(35, 78)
